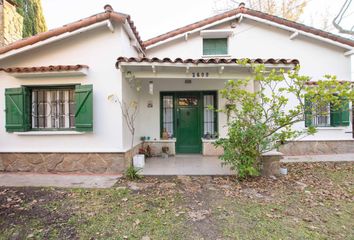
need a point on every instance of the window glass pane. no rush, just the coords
(53, 108)
(209, 119)
(187, 101)
(167, 114)
(321, 115)
(215, 46)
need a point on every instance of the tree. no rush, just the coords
(33, 18)
(260, 121)
(289, 9)
(130, 112)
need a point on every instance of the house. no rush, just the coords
(62, 89)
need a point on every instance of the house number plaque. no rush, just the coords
(200, 74)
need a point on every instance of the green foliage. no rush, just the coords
(132, 173)
(242, 159)
(33, 18)
(261, 116)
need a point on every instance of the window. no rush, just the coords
(325, 115)
(49, 108)
(172, 102)
(322, 115)
(53, 108)
(167, 113)
(215, 46)
(209, 117)
(187, 101)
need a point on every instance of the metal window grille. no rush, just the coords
(322, 115)
(209, 119)
(167, 108)
(53, 109)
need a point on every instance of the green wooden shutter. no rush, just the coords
(83, 108)
(17, 108)
(344, 112)
(215, 46)
(308, 112)
(335, 116)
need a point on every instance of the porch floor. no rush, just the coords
(193, 164)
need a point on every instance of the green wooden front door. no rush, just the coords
(188, 124)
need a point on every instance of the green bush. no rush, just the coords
(260, 115)
(241, 148)
(132, 173)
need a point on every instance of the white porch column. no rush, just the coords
(352, 66)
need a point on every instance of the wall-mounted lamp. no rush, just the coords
(129, 76)
(151, 88)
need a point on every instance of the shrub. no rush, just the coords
(132, 173)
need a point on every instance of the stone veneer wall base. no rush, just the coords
(86, 163)
(296, 148)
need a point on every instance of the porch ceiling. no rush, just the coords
(212, 68)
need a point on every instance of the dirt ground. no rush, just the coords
(314, 201)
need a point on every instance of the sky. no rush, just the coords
(154, 17)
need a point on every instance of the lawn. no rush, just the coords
(314, 201)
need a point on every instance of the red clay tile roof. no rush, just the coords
(50, 68)
(315, 83)
(206, 60)
(250, 12)
(108, 14)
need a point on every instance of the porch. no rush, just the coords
(175, 100)
(185, 164)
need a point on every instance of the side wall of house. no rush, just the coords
(130, 95)
(96, 48)
(104, 150)
(251, 39)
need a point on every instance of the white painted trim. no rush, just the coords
(48, 133)
(131, 35)
(74, 73)
(330, 128)
(173, 140)
(294, 35)
(241, 18)
(40, 150)
(110, 26)
(199, 65)
(219, 33)
(350, 52)
(300, 32)
(218, 56)
(221, 69)
(258, 20)
(193, 31)
(204, 140)
(53, 39)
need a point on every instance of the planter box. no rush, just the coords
(139, 161)
(209, 149)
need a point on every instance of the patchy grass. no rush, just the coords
(315, 201)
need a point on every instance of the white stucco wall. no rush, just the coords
(97, 48)
(149, 121)
(129, 94)
(251, 39)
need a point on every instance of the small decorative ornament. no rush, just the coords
(165, 135)
(150, 104)
(151, 88)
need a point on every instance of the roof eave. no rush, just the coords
(53, 39)
(151, 43)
